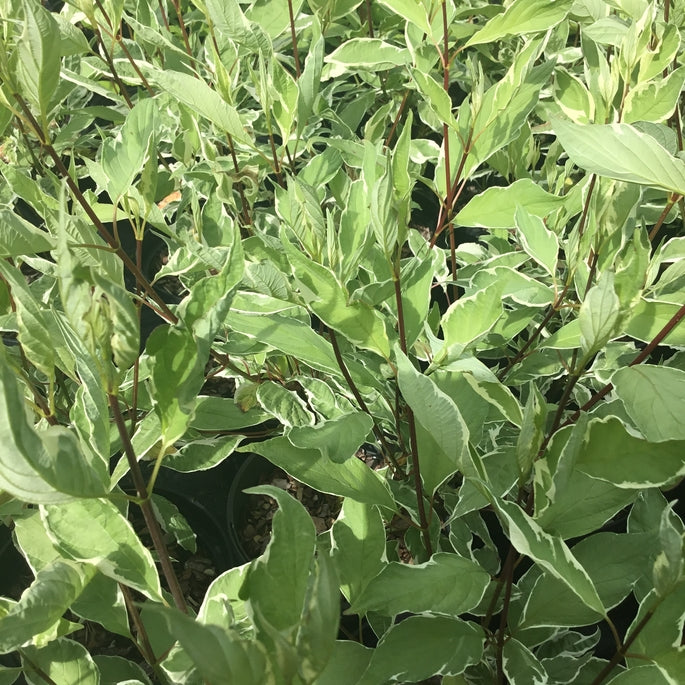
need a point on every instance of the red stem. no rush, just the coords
(294, 38)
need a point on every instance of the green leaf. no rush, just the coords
(358, 322)
(320, 618)
(412, 11)
(204, 310)
(568, 502)
(346, 665)
(573, 97)
(473, 316)
(123, 316)
(532, 432)
(441, 418)
(506, 105)
(290, 336)
(108, 542)
(565, 338)
(228, 17)
(90, 411)
(285, 92)
(62, 661)
(43, 467)
(447, 584)
(668, 566)
(116, 669)
(654, 397)
(219, 655)
(101, 599)
(384, 218)
(301, 209)
(537, 240)
(38, 58)
(321, 169)
(177, 376)
(349, 479)
(520, 665)
(366, 53)
(276, 583)
(72, 38)
(284, 404)
(274, 20)
(614, 562)
(173, 522)
(416, 297)
(422, 646)
(204, 100)
(648, 318)
(19, 237)
(638, 675)
(621, 152)
(124, 156)
(33, 319)
(671, 664)
(521, 17)
(33, 540)
(600, 315)
(518, 287)
(358, 546)
(664, 629)
(43, 603)
(400, 165)
(548, 551)
(436, 97)
(309, 81)
(337, 439)
(654, 100)
(611, 453)
(353, 232)
(482, 398)
(495, 207)
(223, 413)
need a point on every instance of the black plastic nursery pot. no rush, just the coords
(254, 470)
(201, 497)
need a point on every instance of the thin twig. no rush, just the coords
(146, 507)
(662, 217)
(293, 36)
(521, 353)
(413, 441)
(360, 400)
(182, 25)
(145, 646)
(368, 18)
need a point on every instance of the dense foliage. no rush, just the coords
(449, 232)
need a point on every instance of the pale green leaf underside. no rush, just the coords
(495, 207)
(654, 397)
(621, 152)
(447, 584)
(522, 16)
(352, 478)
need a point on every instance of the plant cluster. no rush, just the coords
(452, 231)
